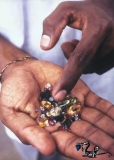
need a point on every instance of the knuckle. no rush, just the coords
(109, 110)
(97, 115)
(102, 26)
(110, 147)
(49, 24)
(98, 118)
(63, 5)
(69, 143)
(107, 25)
(53, 16)
(90, 131)
(97, 101)
(82, 58)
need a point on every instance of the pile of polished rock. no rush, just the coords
(52, 112)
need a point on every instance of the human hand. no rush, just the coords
(21, 86)
(19, 99)
(95, 126)
(19, 103)
(22, 83)
(94, 52)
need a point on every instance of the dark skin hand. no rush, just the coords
(22, 83)
(19, 97)
(94, 52)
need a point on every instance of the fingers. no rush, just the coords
(76, 15)
(94, 101)
(66, 143)
(68, 48)
(54, 128)
(77, 63)
(32, 109)
(27, 130)
(22, 93)
(94, 135)
(98, 119)
(51, 33)
(53, 25)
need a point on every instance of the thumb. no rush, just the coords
(69, 47)
(54, 24)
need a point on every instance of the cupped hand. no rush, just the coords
(95, 126)
(94, 52)
(19, 99)
(19, 102)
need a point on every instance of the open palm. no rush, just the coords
(19, 100)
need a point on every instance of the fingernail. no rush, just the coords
(45, 41)
(60, 95)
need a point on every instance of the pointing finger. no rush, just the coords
(53, 25)
(77, 63)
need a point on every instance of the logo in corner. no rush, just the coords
(86, 153)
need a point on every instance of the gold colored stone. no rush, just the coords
(41, 124)
(78, 108)
(46, 104)
(41, 121)
(74, 109)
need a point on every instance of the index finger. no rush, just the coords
(79, 60)
(27, 130)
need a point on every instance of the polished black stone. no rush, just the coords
(59, 118)
(46, 94)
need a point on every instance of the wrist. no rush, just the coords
(19, 63)
(9, 52)
(8, 55)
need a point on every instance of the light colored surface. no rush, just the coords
(102, 85)
(7, 149)
(28, 16)
(27, 36)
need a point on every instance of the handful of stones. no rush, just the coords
(52, 112)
